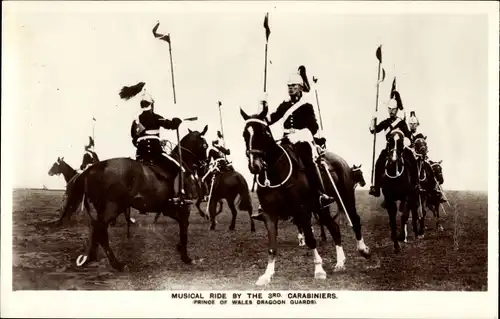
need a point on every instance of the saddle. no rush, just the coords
(292, 152)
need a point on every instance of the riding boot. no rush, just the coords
(379, 168)
(314, 178)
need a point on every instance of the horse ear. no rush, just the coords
(62, 158)
(58, 159)
(265, 109)
(243, 114)
(204, 130)
(425, 138)
(360, 165)
(190, 131)
(440, 162)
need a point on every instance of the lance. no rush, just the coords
(166, 38)
(93, 129)
(222, 128)
(315, 80)
(379, 57)
(268, 32)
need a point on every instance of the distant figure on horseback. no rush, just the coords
(393, 122)
(419, 146)
(145, 130)
(300, 126)
(218, 144)
(90, 157)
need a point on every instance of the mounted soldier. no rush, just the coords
(90, 157)
(145, 130)
(393, 122)
(419, 147)
(300, 126)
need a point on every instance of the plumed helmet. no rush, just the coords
(413, 119)
(295, 78)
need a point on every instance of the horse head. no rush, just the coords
(258, 140)
(438, 171)
(195, 143)
(358, 175)
(395, 145)
(56, 167)
(420, 145)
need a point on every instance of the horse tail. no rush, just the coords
(245, 200)
(75, 195)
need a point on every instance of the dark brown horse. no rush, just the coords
(359, 179)
(284, 192)
(224, 183)
(115, 184)
(398, 184)
(61, 167)
(430, 175)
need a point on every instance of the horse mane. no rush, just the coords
(127, 92)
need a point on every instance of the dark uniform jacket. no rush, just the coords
(148, 125)
(389, 124)
(89, 158)
(302, 118)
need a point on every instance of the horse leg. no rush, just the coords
(333, 227)
(319, 272)
(300, 236)
(271, 223)
(392, 210)
(403, 234)
(323, 234)
(234, 212)
(183, 234)
(221, 205)
(110, 212)
(91, 251)
(421, 229)
(349, 201)
(252, 223)
(212, 207)
(198, 207)
(436, 214)
(128, 220)
(157, 216)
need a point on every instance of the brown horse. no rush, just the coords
(284, 192)
(359, 179)
(224, 183)
(61, 167)
(115, 184)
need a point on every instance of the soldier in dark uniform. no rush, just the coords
(390, 124)
(90, 157)
(300, 127)
(145, 130)
(414, 123)
(219, 145)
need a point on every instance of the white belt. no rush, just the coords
(152, 131)
(289, 130)
(148, 137)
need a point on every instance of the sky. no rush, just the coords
(67, 63)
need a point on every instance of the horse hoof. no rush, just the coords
(263, 280)
(397, 249)
(119, 266)
(187, 260)
(231, 228)
(339, 267)
(301, 243)
(132, 220)
(365, 252)
(252, 230)
(81, 260)
(321, 275)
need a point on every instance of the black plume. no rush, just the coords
(303, 75)
(412, 113)
(397, 97)
(128, 92)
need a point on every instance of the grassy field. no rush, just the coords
(44, 256)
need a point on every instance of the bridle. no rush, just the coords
(394, 150)
(260, 153)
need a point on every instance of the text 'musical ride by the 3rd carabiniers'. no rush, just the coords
(254, 298)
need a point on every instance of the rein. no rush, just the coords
(251, 152)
